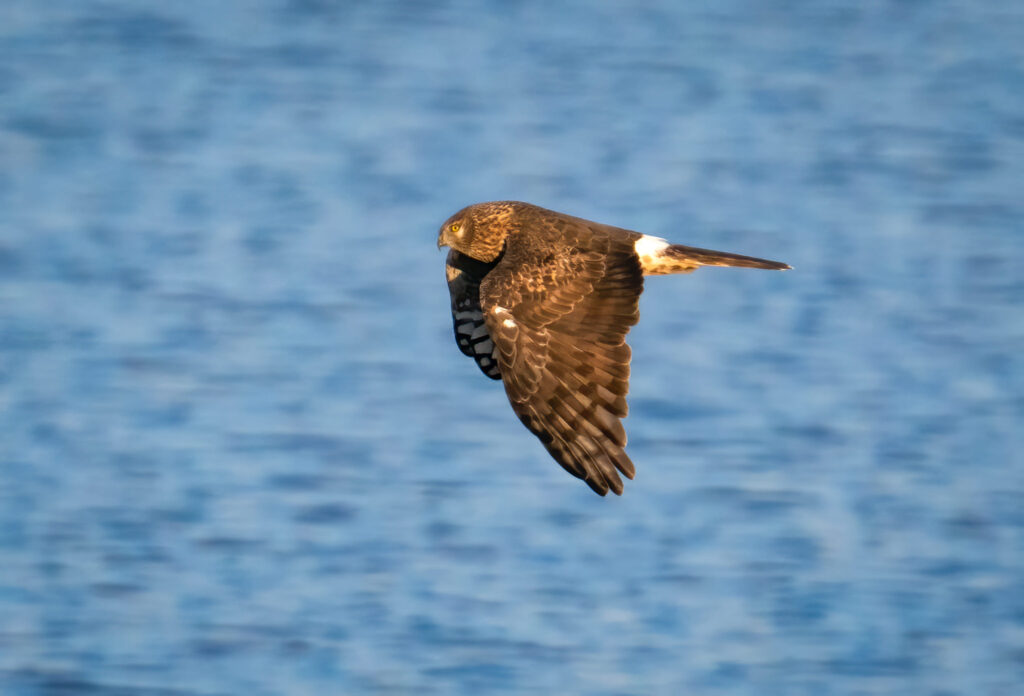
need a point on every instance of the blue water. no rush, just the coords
(241, 454)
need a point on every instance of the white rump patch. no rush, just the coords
(650, 246)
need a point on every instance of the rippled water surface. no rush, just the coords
(241, 454)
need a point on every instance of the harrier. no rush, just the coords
(543, 301)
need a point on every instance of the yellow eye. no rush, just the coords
(455, 227)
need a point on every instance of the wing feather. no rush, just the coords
(558, 314)
(471, 334)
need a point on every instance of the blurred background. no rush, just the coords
(240, 452)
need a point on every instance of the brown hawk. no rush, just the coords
(543, 301)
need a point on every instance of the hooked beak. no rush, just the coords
(441, 240)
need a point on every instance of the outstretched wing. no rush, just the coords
(464, 276)
(558, 313)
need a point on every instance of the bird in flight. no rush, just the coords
(543, 301)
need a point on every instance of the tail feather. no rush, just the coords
(687, 255)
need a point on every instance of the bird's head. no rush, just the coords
(478, 231)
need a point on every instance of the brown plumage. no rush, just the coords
(543, 301)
